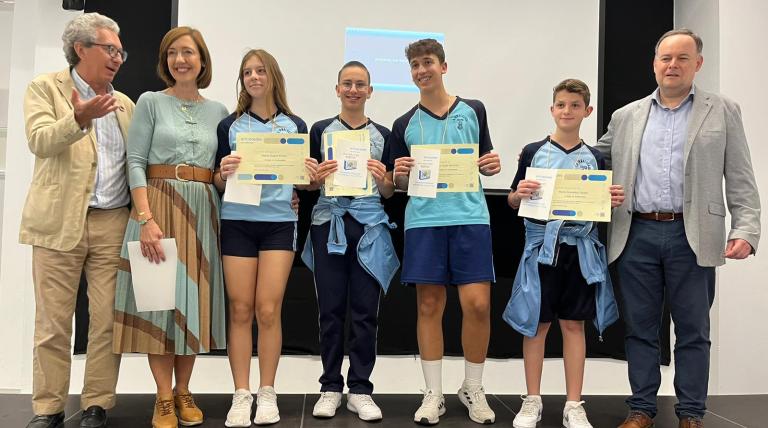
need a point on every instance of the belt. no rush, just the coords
(659, 216)
(181, 172)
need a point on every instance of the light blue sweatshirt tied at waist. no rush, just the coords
(375, 251)
(541, 244)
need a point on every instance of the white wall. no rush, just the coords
(36, 48)
(743, 289)
(739, 350)
(508, 54)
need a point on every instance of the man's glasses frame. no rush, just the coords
(112, 51)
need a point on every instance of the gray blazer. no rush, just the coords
(716, 149)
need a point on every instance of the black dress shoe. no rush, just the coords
(47, 421)
(94, 417)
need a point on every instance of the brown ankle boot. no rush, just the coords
(189, 413)
(688, 422)
(637, 419)
(164, 415)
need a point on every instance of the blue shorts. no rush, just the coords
(243, 238)
(452, 255)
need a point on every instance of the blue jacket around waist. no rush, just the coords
(541, 242)
(375, 250)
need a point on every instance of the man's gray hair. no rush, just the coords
(684, 32)
(83, 30)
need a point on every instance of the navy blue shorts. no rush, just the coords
(243, 238)
(452, 255)
(565, 293)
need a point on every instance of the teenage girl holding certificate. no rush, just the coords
(258, 242)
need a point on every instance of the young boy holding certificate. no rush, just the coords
(572, 285)
(349, 248)
(447, 236)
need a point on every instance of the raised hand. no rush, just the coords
(96, 107)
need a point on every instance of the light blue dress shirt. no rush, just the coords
(111, 187)
(659, 181)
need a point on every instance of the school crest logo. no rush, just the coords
(582, 164)
(459, 120)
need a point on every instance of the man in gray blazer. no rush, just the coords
(671, 151)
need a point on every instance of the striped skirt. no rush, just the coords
(188, 212)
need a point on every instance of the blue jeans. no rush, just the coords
(657, 259)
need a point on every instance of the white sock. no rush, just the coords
(433, 375)
(570, 404)
(473, 373)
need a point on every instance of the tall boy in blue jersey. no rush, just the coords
(447, 238)
(567, 279)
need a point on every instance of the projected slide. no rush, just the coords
(383, 52)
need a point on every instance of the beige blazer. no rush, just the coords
(715, 151)
(65, 162)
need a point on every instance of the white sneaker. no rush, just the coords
(364, 406)
(473, 397)
(432, 407)
(266, 406)
(239, 414)
(327, 404)
(575, 416)
(530, 412)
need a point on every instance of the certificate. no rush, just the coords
(154, 284)
(569, 194)
(272, 158)
(351, 149)
(458, 167)
(422, 180)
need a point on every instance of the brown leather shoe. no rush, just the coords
(189, 413)
(164, 415)
(691, 423)
(637, 419)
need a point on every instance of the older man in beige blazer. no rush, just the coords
(672, 151)
(75, 214)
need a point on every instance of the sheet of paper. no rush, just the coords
(154, 285)
(272, 158)
(239, 193)
(582, 195)
(569, 194)
(423, 177)
(329, 141)
(352, 157)
(458, 167)
(537, 206)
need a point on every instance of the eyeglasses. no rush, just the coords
(347, 86)
(112, 51)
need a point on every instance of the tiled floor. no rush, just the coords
(296, 411)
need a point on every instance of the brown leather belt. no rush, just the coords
(181, 172)
(659, 216)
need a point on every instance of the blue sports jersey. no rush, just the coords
(549, 154)
(379, 135)
(465, 123)
(275, 203)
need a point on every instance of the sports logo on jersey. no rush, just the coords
(459, 120)
(583, 164)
